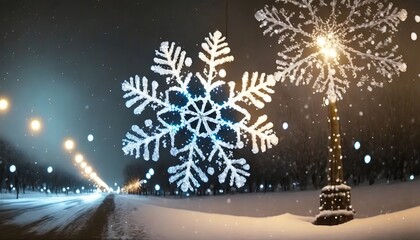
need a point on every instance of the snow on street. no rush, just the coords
(47, 216)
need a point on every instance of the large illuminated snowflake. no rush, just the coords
(328, 43)
(200, 117)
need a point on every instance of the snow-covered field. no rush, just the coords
(384, 211)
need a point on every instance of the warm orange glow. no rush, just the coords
(35, 125)
(69, 144)
(4, 104)
(133, 186)
(79, 158)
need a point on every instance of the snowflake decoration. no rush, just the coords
(200, 117)
(328, 43)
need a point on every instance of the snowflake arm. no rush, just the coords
(272, 21)
(183, 175)
(215, 53)
(238, 168)
(385, 16)
(237, 173)
(260, 130)
(170, 61)
(146, 97)
(133, 143)
(293, 70)
(386, 65)
(256, 90)
(260, 87)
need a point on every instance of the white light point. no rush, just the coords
(413, 36)
(50, 169)
(321, 41)
(79, 158)
(222, 73)
(148, 176)
(327, 47)
(157, 187)
(151, 171)
(12, 168)
(411, 177)
(90, 137)
(357, 145)
(285, 126)
(368, 159)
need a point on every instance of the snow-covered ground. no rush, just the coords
(384, 211)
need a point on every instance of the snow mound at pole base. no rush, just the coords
(335, 205)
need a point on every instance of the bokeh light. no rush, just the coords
(368, 158)
(90, 137)
(357, 145)
(4, 104)
(79, 158)
(35, 125)
(69, 144)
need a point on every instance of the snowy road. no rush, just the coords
(55, 217)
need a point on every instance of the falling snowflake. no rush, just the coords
(200, 117)
(329, 43)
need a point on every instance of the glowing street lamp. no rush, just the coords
(78, 158)
(69, 144)
(4, 104)
(83, 165)
(88, 169)
(35, 125)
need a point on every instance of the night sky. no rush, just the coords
(64, 62)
